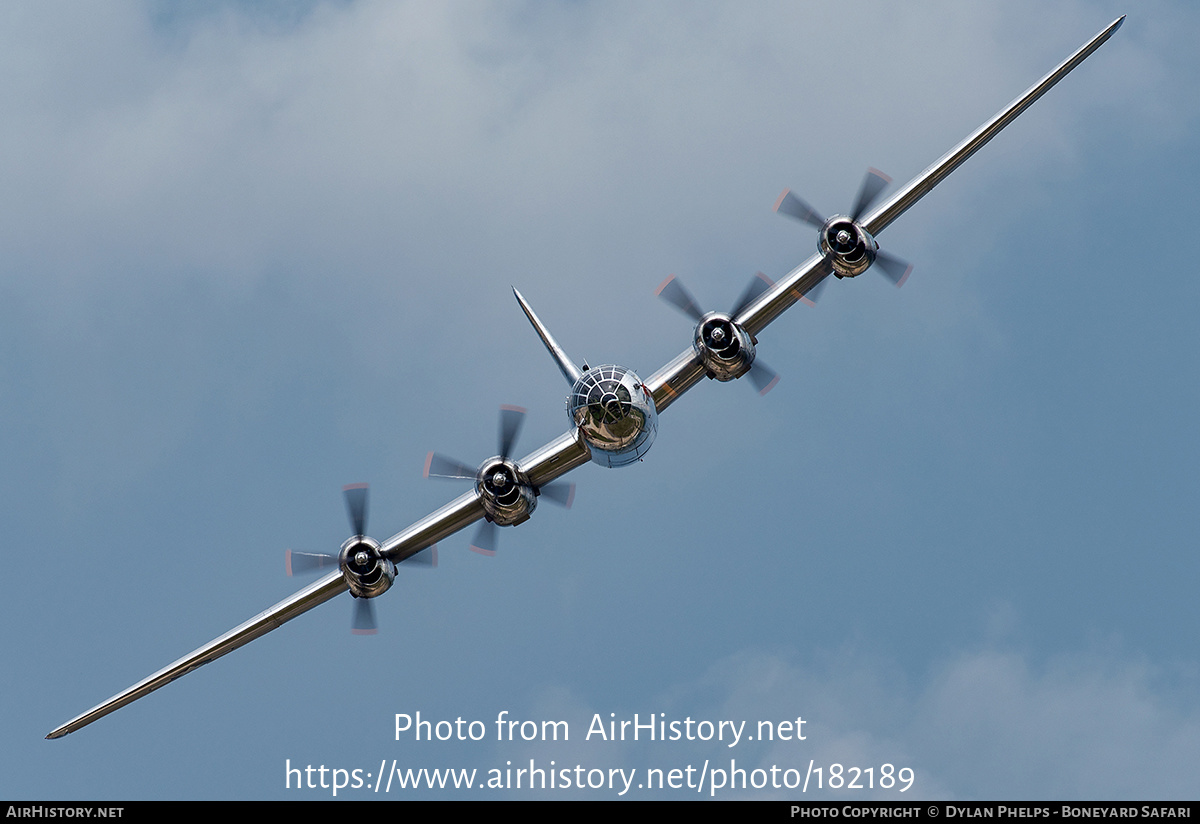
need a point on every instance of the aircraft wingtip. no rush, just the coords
(521, 300)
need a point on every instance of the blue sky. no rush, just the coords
(250, 255)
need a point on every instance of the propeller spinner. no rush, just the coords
(726, 348)
(507, 496)
(368, 573)
(850, 247)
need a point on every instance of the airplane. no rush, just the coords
(613, 413)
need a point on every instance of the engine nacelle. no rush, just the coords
(505, 492)
(615, 413)
(725, 347)
(849, 246)
(365, 568)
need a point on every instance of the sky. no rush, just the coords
(253, 252)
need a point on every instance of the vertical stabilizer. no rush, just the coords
(570, 371)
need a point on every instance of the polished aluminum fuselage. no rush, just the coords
(616, 426)
(614, 412)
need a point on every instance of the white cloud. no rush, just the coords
(984, 724)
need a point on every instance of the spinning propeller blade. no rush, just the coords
(427, 559)
(793, 206)
(484, 541)
(893, 268)
(440, 466)
(363, 622)
(763, 377)
(356, 507)
(674, 292)
(306, 562)
(512, 418)
(875, 181)
(758, 284)
(507, 494)
(560, 492)
(356, 496)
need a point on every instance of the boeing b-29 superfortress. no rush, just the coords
(613, 412)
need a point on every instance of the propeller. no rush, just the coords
(851, 246)
(507, 496)
(721, 335)
(364, 566)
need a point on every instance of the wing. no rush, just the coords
(556, 458)
(569, 451)
(898, 204)
(560, 456)
(316, 593)
(771, 303)
(449, 519)
(463, 511)
(681, 374)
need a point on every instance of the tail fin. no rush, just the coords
(570, 371)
